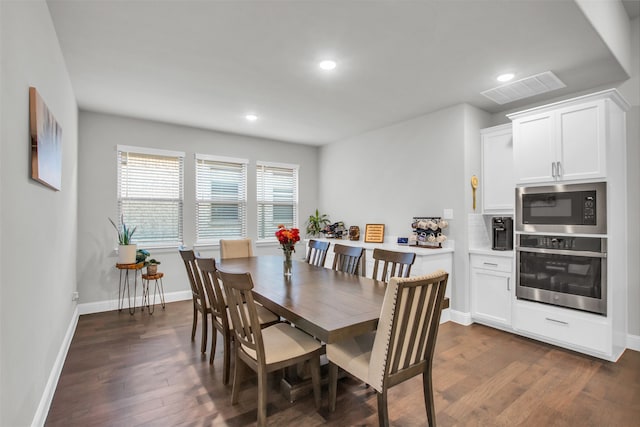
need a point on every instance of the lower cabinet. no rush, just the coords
(491, 290)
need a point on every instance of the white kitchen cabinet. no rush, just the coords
(565, 141)
(491, 290)
(498, 184)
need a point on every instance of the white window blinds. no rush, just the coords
(277, 192)
(150, 194)
(221, 198)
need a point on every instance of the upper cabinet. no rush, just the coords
(498, 184)
(565, 141)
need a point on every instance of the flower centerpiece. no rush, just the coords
(288, 237)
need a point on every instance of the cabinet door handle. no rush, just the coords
(508, 280)
(491, 264)
(559, 169)
(553, 169)
(557, 321)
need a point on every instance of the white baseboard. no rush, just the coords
(633, 342)
(52, 382)
(110, 305)
(461, 317)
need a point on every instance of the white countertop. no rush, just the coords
(419, 251)
(489, 251)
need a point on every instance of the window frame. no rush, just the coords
(260, 202)
(243, 204)
(120, 199)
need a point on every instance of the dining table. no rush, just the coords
(328, 304)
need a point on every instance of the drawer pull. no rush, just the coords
(557, 321)
(508, 280)
(491, 264)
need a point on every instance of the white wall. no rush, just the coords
(417, 167)
(38, 228)
(100, 133)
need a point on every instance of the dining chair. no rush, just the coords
(219, 314)
(317, 252)
(347, 258)
(394, 264)
(401, 347)
(236, 248)
(264, 350)
(198, 295)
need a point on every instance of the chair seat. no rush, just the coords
(264, 316)
(353, 354)
(283, 342)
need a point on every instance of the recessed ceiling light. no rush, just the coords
(504, 77)
(251, 117)
(327, 65)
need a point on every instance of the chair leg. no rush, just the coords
(428, 397)
(214, 341)
(195, 322)
(315, 379)
(227, 359)
(262, 398)
(203, 345)
(238, 372)
(333, 385)
(383, 411)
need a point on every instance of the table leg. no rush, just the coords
(121, 292)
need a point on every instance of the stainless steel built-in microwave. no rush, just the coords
(571, 208)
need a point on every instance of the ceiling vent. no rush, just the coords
(524, 88)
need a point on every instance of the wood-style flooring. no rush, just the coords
(124, 370)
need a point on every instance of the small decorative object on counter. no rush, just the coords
(288, 239)
(316, 223)
(428, 232)
(354, 232)
(335, 230)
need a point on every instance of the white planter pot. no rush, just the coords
(127, 254)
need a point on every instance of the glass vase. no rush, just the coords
(286, 264)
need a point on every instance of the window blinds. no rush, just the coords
(277, 192)
(221, 198)
(151, 195)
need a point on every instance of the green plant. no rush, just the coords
(152, 261)
(142, 255)
(316, 223)
(124, 234)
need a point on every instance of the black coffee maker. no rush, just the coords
(502, 231)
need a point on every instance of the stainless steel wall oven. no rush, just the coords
(563, 270)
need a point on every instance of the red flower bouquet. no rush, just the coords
(288, 239)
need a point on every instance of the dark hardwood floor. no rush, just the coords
(144, 370)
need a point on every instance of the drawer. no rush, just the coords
(488, 262)
(562, 326)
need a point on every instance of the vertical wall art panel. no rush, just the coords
(46, 143)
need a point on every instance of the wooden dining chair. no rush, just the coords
(394, 264)
(219, 314)
(264, 350)
(236, 248)
(198, 295)
(317, 252)
(402, 346)
(347, 258)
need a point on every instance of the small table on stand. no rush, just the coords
(124, 281)
(145, 291)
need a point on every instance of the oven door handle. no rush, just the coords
(586, 254)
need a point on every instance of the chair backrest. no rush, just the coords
(317, 252)
(244, 317)
(407, 330)
(347, 258)
(237, 248)
(394, 264)
(212, 289)
(193, 273)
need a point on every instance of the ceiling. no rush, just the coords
(209, 63)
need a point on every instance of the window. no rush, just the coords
(277, 191)
(150, 194)
(221, 198)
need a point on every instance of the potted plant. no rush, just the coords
(152, 264)
(316, 223)
(126, 249)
